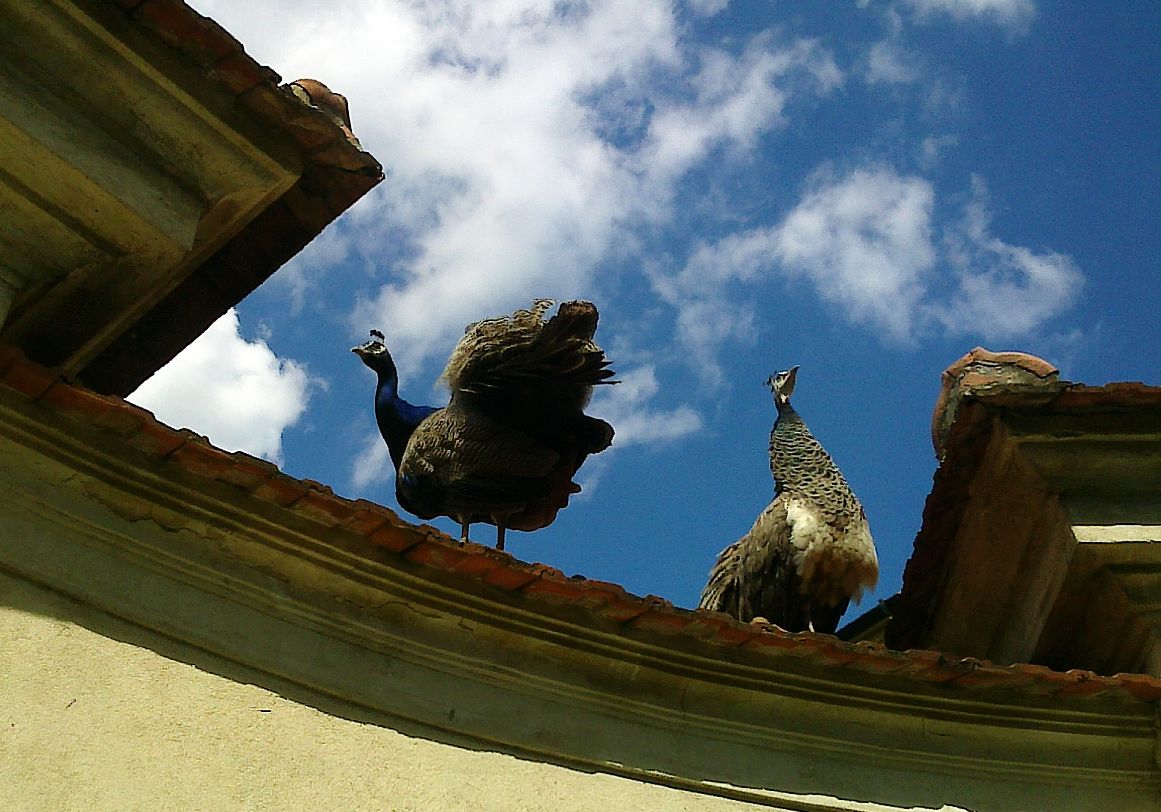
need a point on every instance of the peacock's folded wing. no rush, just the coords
(461, 464)
(756, 575)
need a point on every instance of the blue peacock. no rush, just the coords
(506, 447)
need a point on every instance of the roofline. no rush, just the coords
(181, 450)
(301, 128)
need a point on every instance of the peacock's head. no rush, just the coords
(375, 355)
(782, 384)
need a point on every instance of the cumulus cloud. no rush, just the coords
(303, 275)
(236, 392)
(1002, 290)
(627, 407)
(865, 242)
(527, 147)
(1014, 15)
(525, 144)
(862, 241)
(735, 99)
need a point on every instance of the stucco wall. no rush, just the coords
(95, 722)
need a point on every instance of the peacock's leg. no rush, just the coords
(499, 537)
(464, 531)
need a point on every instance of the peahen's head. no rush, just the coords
(375, 355)
(782, 384)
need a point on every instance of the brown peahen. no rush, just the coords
(810, 551)
(506, 447)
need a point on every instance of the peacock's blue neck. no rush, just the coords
(396, 417)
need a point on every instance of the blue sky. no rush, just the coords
(866, 189)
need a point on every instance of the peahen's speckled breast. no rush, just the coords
(801, 465)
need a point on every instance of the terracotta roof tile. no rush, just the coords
(982, 370)
(719, 628)
(436, 553)
(930, 666)
(199, 38)
(627, 606)
(26, 377)
(323, 507)
(124, 419)
(973, 673)
(876, 659)
(980, 355)
(247, 472)
(1140, 686)
(547, 586)
(156, 439)
(204, 460)
(9, 355)
(773, 640)
(1124, 394)
(367, 518)
(665, 619)
(479, 561)
(1084, 685)
(511, 579)
(392, 536)
(727, 630)
(281, 490)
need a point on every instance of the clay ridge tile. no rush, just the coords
(984, 371)
(428, 547)
(319, 127)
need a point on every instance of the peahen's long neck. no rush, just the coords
(396, 417)
(797, 461)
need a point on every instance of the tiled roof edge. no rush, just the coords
(223, 60)
(548, 586)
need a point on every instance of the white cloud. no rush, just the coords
(236, 392)
(887, 64)
(373, 464)
(303, 274)
(1014, 15)
(525, 143)
(864, 242)
(1003, 290)
(708, 8)
(627, 407)
(736, 99)
(932, 147)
